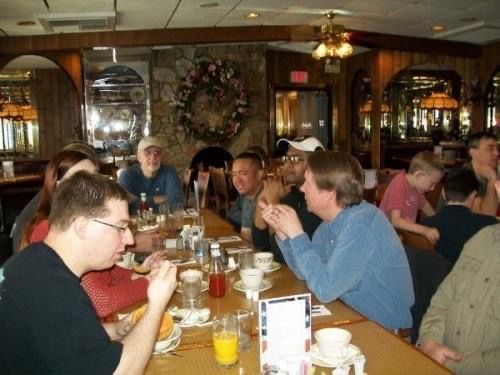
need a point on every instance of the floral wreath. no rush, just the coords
(217, 80)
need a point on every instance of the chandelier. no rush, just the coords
(334, 40)
(439, 100)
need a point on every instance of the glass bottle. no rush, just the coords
(144, 206)
(216, 274)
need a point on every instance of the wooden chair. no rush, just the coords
(414, 240)
(221, 189)
(203, 181)
(187, 181)
(370, 195)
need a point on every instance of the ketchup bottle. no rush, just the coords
(216, 274)
(143, 206)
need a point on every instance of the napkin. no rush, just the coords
(229, 239)
(237, 250)
(320, 310)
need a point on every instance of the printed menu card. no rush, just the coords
(285, 334)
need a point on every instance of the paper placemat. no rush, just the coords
(237, 250)
(229, 239)
(319, 310)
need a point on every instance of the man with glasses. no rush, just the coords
(47, 322)
(159, 181)
(286, 192)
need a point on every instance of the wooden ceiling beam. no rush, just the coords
(19, 45)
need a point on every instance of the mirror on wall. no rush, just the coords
(493, 104)
(39, 108)
(426, 102)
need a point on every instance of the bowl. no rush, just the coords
(252, 278)
(167, 323)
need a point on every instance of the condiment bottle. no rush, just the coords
(216, 274)
(144, 206)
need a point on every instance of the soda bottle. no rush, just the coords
(144, 206)
(216, 274)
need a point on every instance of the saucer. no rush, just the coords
(190, 317)
(274, 266)
(265, 285)
(171, 346)
(319, 360)
(204, 286)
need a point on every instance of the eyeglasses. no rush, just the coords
(119, 229)
(292, 159)
(155, 153)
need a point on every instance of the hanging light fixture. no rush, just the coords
(334, 40)
(439, 100)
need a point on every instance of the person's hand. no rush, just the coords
(440, 353)
(271, 219)
(289, 223)
(432, 234)
(162, 284)
(155, 260)
(124, 326)
(274, 190)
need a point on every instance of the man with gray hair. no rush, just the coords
(47, 322)
(151, 176)
(355, 254)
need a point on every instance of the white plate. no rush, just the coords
(265, 285)
(196, 317)
(274, 266)
(228, 269)
(164, 345)
(319, 360)
(204, 286)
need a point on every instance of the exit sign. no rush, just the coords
(298, 76)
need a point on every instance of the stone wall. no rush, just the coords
(170, 66)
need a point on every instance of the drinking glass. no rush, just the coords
(244, 328)
(162, 214)
(191, 292)
(178, 211)
(246, 260)
(225, 336)
(158, 243)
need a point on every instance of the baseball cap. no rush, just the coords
(148, 142)
(304, 144)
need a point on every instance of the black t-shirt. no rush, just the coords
(47, 322)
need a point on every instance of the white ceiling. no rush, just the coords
(474, 21)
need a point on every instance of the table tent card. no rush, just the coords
(285, 334)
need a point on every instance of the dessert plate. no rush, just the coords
(319, 360)
(190, 317)
(265, 285)
(171, 342)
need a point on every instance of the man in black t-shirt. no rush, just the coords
(47, 322)
(274, 192)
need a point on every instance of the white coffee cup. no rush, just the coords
(263, 260)
(251, 278)
(333, 343)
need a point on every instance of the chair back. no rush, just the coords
(203, 180)
(428, 270)
(187, 181)
(417, 241)
(221, 189)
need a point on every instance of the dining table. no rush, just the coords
(385, 352)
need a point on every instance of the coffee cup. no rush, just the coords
(252, 278)
(263, 260)
(333, 343)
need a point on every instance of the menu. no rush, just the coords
(285, 334)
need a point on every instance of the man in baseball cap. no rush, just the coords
(158, 180)
(287, 192)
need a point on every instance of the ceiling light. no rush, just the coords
(334, 41)
(438, 28)
(25, 23)
(209, 5)
(252, 15)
